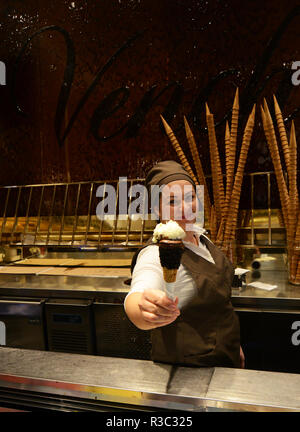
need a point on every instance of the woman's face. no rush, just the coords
(178, 202)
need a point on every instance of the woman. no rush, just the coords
(200, 327)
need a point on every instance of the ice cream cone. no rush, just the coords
(198, 165)
(282, 133)
(169, 237)
(169, 274)
(170, 253)
(234, 120)
(230, 142)
(280, 218)
(236, 190)
(229, 168)
(297, 235)
(272, 144)
(288, 191)
(217, 177)
(233, 140)
(294, 263)
(178, 149)
(297, 276)
(293, 193)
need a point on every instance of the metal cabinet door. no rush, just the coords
(70, 325)
(116, 336)
(21, 324)
(280, 332)
(271, 339)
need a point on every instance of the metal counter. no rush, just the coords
(85, 315)
(72, 382)
(32, 285)
(285, 296)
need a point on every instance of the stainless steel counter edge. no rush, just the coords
(215, 396)
(105, 394)
(273, 304)
(133, 397)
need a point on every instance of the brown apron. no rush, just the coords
(207, 331)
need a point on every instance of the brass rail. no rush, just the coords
(33, 219)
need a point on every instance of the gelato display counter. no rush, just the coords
(85, 315)
(35, 380)
(67, 344)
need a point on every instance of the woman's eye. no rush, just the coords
(189, 198)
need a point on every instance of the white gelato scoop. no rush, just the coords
(170, 230)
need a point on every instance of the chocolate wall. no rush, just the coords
(87, 81)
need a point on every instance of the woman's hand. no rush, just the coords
(157, 309)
